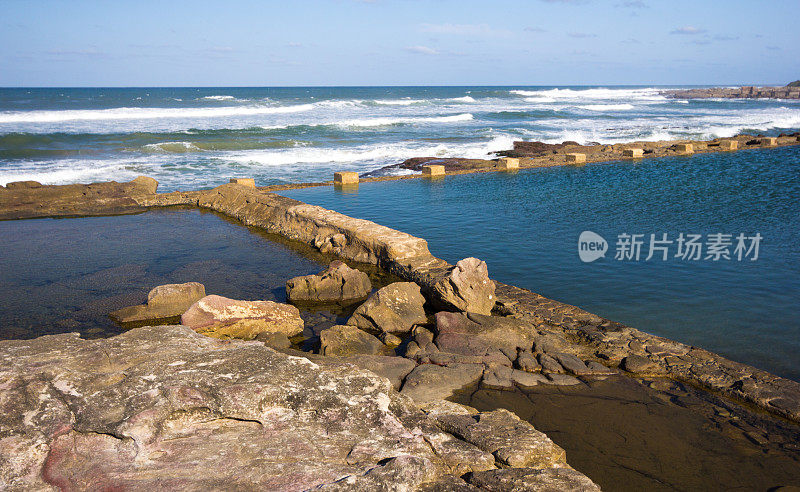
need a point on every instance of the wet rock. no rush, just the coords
(563, 380)
(512, 441)
(550, 364)
(497, 378)
(166, 408)
(393, 309)
(475, 334)
(527, 362)
(28, 199)
(338, 283)
(164, 301)
(466, 287)
(533, 479)
(526, 380)
(277, 341)
(220, 317)
(348, 340)
(597, 368)
(637, 364)
(430, 382)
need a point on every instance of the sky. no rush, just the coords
(62, 43)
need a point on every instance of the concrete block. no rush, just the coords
(249, 182)
(769, 141)
(576, 158)
(345, 178)
(684, 148)
(729, 144)
(508, 164)
(433, 170)
(636, 153)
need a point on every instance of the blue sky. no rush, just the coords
(402, 42)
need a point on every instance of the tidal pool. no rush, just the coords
(63, 275)
(526, 226)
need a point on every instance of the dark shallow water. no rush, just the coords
(66, 275)
(526, 227)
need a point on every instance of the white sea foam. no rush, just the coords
(367, 122)
(607, 107)
(218, 98)
(175, 147)
(398, 102)
(649, 94)
(146, 113)
(465, 99)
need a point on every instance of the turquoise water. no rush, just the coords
(188, 138)
(526, 227)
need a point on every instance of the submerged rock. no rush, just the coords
(164, 301)
(220, 317)
(395, 308)
(164, 408)
(337, 283)
(466, 287)
(348, 340)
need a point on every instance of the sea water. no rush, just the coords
(188, 138)
(526, 227)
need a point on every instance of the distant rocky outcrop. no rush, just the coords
(796, 83)
(164, 408)
(745, 92)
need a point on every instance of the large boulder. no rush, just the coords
(395, 308)
(466, 287)
(429, 382)
(220, 317)
(164, 301)
(476, 334)
(337, 283)
(348, 340)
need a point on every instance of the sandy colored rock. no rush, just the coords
(345, 178)
(220, 317)
(164, 301)
(532, 480)
(348, 340)
(433, 170)
(430, 382)
(338, 283)
(164, 408)
(249, 182)
(395, 308)
(466, 287)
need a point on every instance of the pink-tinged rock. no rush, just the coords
(337, 283)
(164, 301)
(466, 287)
(220, 317)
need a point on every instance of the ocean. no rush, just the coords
(191, 138)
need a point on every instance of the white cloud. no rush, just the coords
(422, 50)
(464, 29)
(688, 30)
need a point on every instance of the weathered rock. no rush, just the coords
(393, 309)
(527, 362)
(338, 283)
(220, 317)
(525, 379)
(549, 364)
(164, 301)
(475, 334)
(466, 287)
(550, 343)
(637, 364)
(348, 340)
(498, 378)
(27, 199)
(395, 369)
(512, 441)
(389, 340)
(430, 382)
(278, 341)
(572, 363)
(532, 480)
(563, 379)
(164, 408)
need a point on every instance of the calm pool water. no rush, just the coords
(66, 275)
(526, 227)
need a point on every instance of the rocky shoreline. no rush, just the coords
(745, 92)
(130, 411)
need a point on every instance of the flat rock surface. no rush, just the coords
(220, 317)
(164, 408)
